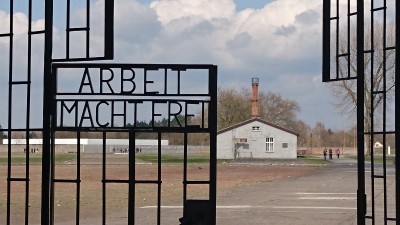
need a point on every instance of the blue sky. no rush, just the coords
(277, 41)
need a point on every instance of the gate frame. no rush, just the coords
(360, 77)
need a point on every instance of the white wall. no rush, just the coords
(257, 142)
(86, 141)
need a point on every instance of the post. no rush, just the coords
(47, 106)
(361, 198)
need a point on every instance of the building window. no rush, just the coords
(284, 145)
(269, 144)
(255, 128)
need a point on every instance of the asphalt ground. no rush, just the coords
(327, 197)
(324, 198)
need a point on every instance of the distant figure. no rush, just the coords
(325, 151)
(337, 152)
(330, 153)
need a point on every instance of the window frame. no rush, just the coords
(269, 144)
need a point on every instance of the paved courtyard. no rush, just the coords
(328, 197)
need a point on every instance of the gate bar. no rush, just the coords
(46, 167)
(397, 114)
(361, 197)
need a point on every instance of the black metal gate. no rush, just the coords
(40, 182)
(359, 50)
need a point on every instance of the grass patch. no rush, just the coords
(20, 158)
(311, 159)
(174, 158)
(377, 159)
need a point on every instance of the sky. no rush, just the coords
(277, 41)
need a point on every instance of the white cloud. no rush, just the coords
(280, 43)
(192, 10)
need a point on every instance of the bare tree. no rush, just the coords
(379, 74)
(235, 106)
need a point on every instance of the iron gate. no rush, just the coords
(41, 107)
(359, 48)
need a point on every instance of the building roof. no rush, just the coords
(257, 120)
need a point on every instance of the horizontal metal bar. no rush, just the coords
(368, 217)
(378, 92)
(379, 132)
(22, 129)
(368, 51)
(37, 32)
(18, 179)
(20, 82)
(66, 181)
(339, 79)
(180, 67)
(391, 219)
(6, 35)
(137, 129)
(378, 176)
(136, 181)
(148, 181)
(353, 14)
(79, 59)
(378, 9)
(132, 94)
(343, 54)
(116, 181)
(78, 29)
(334, 18)
(390, 48)
(196, 182)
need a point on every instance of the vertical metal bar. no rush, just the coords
(78, 177)
(87, 27)
(109, 29)
(159, 180)
(132, 177)
(47, 106)
(53, 123)
(361, 198)
(385, 211)
(326, 40)
(185, 159)
(348, 38)
(10, 80)
(371, 115)
(104, 162)
(67, 30)
(213, 142)
(397, 113)
(337, 39)
(28, 103)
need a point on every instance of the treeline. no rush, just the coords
(234, 106)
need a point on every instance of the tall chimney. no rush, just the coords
(254, 100)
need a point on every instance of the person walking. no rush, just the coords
(330, 153)
(325, 152)
(337, 152)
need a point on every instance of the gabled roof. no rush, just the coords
(256, 120)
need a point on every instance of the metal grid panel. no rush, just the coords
(180, 95)
(375, 56)
(21, 61)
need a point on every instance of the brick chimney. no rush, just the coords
(254, 100)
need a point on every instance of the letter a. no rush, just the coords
(83, 83)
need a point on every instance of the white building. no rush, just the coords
(256, 138)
